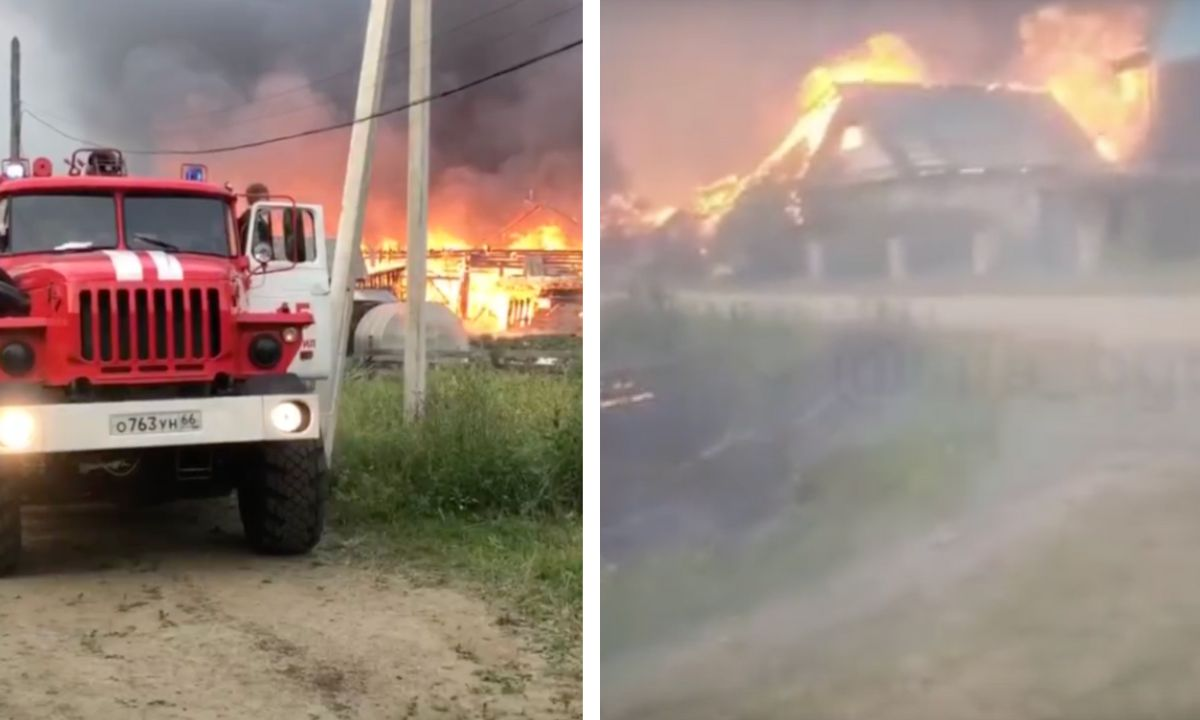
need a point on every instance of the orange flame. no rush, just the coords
(1074, 54)
(543, 237)
(493, 297)
(883, 58)
(1071, 54)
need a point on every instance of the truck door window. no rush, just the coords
(49, 223)
(290, 233)
(177, 224)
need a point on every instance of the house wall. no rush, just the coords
(1011, 224)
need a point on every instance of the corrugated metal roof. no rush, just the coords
(964, 127)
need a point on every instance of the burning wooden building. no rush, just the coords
(932, 179)
(529, 282)
(888, 174)
(1083, 160)
(499, 291)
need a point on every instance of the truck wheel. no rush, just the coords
(10, 528)
(283, 496)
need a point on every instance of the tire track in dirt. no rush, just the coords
(162, 614)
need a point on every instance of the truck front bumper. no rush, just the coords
(73, 427)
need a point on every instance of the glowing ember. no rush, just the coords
(718, 197)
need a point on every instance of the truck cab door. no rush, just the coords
(286, 246)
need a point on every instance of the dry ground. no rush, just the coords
(162, 613)
(1065, 584)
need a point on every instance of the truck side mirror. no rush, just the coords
(262, 253)
(280, 237)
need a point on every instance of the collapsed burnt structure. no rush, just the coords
(913, 181)
(500, 291)
(527, 280)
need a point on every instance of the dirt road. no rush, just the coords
(1079, 600)
(1059, 582)
(161, 613)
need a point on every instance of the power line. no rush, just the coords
(28, 113)
(40, 114)
(34, 116)
(336, 126)
(181, 119)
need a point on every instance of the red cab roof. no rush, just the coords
(103, 183)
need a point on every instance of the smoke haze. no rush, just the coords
(149, 73)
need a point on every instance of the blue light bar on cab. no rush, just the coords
(195, 173)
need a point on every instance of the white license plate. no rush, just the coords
(151, 423)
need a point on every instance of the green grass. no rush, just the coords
(490, 444)
(485, 491)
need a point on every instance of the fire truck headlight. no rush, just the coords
(288, 417)
(265, 351)
(290, 335)
(16, 428)
(16, 358)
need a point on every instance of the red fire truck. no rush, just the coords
(149, 351)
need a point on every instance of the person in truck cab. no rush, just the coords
(293, 246)
(255, 193)
(105, 162)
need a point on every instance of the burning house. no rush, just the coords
(929, 179)
(530, 281)
(1079, 158)
(889, 175)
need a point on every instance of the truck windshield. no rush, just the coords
(177, 224)
(45, 223)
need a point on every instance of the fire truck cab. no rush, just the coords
(150, 351)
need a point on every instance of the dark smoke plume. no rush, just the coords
(148, 73)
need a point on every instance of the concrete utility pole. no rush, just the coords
(354, 200)
(14, 90)
(420, 51)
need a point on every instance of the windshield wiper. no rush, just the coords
(152, 240)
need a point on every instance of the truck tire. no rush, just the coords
(10, 528)
(283, 497)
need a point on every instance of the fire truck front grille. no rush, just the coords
(178, 325)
